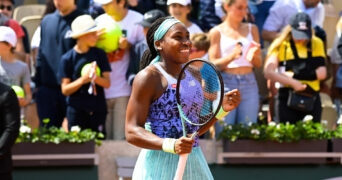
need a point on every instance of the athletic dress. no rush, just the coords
(164, 121)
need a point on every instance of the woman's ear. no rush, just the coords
(157, 44)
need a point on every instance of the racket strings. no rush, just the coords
(200, 92)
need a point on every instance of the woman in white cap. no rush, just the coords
(14, 72)
(84, 72)
(181, 9)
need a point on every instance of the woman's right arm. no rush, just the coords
(214, 51)
(270, 72)
(143, 92)
(148, 86)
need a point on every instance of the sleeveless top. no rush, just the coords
(163, 118)
(227, 45)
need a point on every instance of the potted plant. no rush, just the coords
(304, 136)
(44, 146)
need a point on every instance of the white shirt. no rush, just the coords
(119, 86)
(281, 12)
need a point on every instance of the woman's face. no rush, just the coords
(238, 9)
(179, 11)
(175, 45)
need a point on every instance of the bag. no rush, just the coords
(301, 101)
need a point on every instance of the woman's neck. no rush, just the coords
(233, 23)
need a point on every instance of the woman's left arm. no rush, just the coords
(256, 58)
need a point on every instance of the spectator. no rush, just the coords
(147, 126)
(235, 52)
(262, 8)
(139, 48)
(200, 46)
(55, 28)
(296, 60)
(49, 8)
(6, 12)
(9, 129)
(85, 109)
(118, 93)
(278, 18)
(209, 14)
(15, 72)
(181, 9)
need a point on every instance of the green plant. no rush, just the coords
(57, 135)
(281, 132)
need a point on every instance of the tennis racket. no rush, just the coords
(199, 95)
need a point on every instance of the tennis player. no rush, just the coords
(153, 122)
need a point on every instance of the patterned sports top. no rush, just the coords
(163, 118)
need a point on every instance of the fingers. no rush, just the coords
(184, 145)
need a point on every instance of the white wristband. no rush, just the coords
(169, 145)
(221, 114)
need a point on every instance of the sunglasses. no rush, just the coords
(8, 8)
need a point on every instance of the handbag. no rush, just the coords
(301, 101)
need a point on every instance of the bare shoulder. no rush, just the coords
(150, 82)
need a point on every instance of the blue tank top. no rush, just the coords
(163, 118)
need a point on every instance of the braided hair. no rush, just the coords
(151, 52)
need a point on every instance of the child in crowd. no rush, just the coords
(14, 72)
(180, 9)
(84, 72)
(200, 46)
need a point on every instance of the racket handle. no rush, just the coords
(181, 166)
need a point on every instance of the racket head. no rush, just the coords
(199, 92)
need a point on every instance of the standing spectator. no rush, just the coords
(49, 8)
(9, 128)
(85, 109)
(181, 9)
(15, 72)
(235, 52)
(296, 60)
(208, 17)
(153, 121)
(55, 28)
(262, 12)
(138, 49)
(118, 93)
(6, 12)
(281, 12)
(277, 19)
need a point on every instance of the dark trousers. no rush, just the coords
(94, 120)
(285, 114)
(51, 104)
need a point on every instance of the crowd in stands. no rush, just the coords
(238, 36)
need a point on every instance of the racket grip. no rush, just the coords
(181, 166)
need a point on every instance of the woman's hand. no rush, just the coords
(184, 145)
(231, 100)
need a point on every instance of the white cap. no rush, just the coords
(102, 2)
(82, 25)
(182, 2)
(7, 34)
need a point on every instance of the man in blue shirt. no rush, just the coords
(55, 41)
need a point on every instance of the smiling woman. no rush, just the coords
(153, 121)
